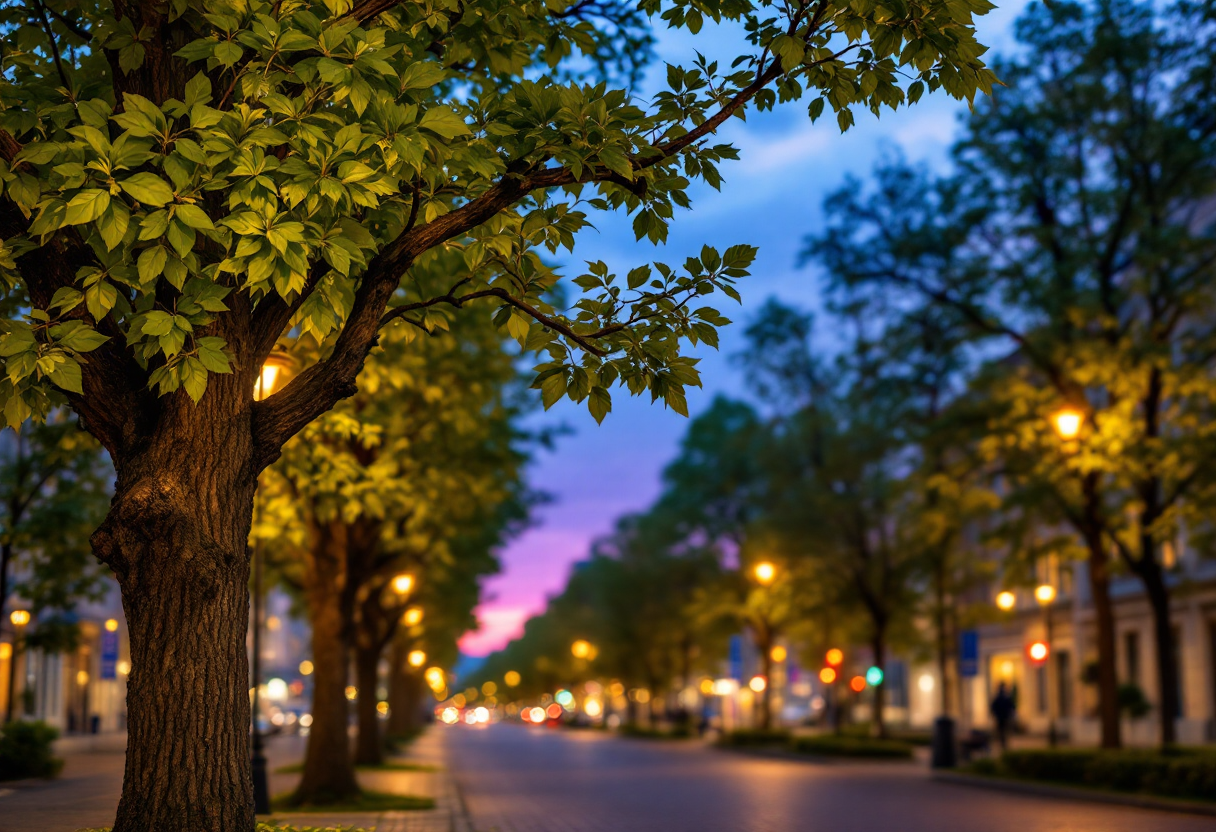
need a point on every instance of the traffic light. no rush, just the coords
(874, 676)
(1038, 651)
(858, 684)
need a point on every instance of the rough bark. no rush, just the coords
(879, 645)
(404, 694)
(176, 538)
(369, 747)
(1104, 618)
(329, 774)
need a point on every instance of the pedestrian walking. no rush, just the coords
(1003, 708)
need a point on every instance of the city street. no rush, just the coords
(517, 779)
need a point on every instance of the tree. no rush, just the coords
(1081, 238)
(188, 184)
(398, 480)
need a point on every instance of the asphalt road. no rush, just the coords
(525, 779)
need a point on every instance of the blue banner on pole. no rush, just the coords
(969, 654)
(109, 655)
(735, 657)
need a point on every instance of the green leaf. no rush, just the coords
(148, 188)
(151, 263)
(86, 206)
(599, 403)
(212, 354)
(194, 377)
(193, 216)
(443, 122)
(67, 375)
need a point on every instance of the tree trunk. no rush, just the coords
(176, 537)
(943, 638)
(1163, 637)
(879, 646)
(329, 775)
(369, 748)
(404, 694)
(766, 667)
(1104, 617)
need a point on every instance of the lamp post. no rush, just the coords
(269, 380)
(1045, 594)
(20, 618)
(765, 573)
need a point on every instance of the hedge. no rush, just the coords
(751, 737)
(25, 751)
(869, 747)
(1187, 773)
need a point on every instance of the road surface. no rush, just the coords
(529, 779)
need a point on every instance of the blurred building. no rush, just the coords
(82, 692)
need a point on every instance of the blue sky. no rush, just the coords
(771, 198)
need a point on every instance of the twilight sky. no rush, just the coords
(771, 198)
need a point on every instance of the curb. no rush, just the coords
(1072, 793)
(818, 759)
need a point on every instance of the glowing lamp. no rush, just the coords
(778, 654)
(271, 378)
(416, 658)
(553, 711)
(512, 678)
(581, 649)
(835, 657)
(20, 617)
(403, 583)
(111, 625)
(765, 572)
(1045, 594)
(758, 684)
(1038, 651)
(306, 668)
(827, 676)
(1067, 423)
(874, 677)
(412, 616)
(352, 693)
(1006, 600)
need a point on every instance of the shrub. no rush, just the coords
(752, 737)
(846, 746)
(1187, 773)
(1132, 701)
(25, 751)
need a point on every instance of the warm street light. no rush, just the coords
(306, 668)
(1045, 594)
(511, 677)
(827, 676)
(1006, 600)
(403, 583)
(778, 654)
(20, 617)
(416, 658)
(581, 649)
(111, 625)
(1067, 423)
(270, 379)
(412, 616)
(765, 572)
(758, 684)
(835, 656)
(1038, 652)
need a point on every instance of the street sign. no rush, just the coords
(109, 654)
(735, 657)
(969, 654)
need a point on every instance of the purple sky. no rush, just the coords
(771, 198)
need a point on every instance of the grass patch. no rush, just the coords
(366, 802)
(298, 768)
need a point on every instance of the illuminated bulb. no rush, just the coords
(827, 676)
(123, 668)
(416, 658)
(1067, 423)
(306, 668)
(1045, 593)
(20, 617)
(778, 654)
(581, 649)
(758, 683)
(765, 572)
(412, 616)
(111, 625)
(352, 692)
(511, 677)
(402, 584)
(835, 657)
(1006, 600)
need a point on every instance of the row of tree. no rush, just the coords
(909, 453)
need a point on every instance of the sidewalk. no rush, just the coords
(428, 750)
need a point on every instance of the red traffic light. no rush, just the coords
(1038, 651)
(835, 657)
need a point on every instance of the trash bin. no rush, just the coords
(944, 753)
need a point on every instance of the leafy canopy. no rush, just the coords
(187, 183)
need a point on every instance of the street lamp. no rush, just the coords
(273, 374)
(1067, 422)
(403, 583)
(581, 649)
(412, 616)
(20, 619)
(1006, 600)
(1045, 594)
(765, 572)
